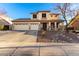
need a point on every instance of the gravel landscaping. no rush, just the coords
(57, 37)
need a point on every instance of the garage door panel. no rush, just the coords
(21, 27)
(34, 27)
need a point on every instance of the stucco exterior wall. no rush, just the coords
(53, 17)
(39, 16)
(49, 16)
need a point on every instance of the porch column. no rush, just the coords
(55, 25)
(40, 26)
(49, 27)
(29, 26)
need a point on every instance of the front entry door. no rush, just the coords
(44, 26)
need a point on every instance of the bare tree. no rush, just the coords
(65, 11)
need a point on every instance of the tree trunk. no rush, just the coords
(66, 25)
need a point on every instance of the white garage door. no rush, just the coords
(21, 27)
(34, 27)
(31, 26)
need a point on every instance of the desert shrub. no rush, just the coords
(78, 28)
(1, 27)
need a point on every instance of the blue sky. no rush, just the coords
(23, 10)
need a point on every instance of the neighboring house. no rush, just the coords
(74, 23)
(5, 22)
(41, 20)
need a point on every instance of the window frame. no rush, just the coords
(43, 15)
(34, 15)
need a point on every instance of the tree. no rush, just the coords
(65, 11)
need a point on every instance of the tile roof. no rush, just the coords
(30, 20)
(40, 11)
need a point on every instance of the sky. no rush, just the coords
(24, 10)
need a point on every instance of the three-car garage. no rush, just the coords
(26, 26)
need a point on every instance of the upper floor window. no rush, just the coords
(44, 15)
(34, 16)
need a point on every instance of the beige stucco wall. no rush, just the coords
(48, 16)
(39, 16)
(54, 17)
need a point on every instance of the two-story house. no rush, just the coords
(41, 20)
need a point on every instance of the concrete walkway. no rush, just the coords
(17, 36)
(39, 49)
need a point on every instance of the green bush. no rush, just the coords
(1, 27)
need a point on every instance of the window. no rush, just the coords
(34, 16)
(44, 15)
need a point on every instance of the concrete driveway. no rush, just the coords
(18, 36)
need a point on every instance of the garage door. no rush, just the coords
(34, 27)
(21, 27)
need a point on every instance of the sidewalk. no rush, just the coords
(39, 49)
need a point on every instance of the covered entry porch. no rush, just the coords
(51, 25)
